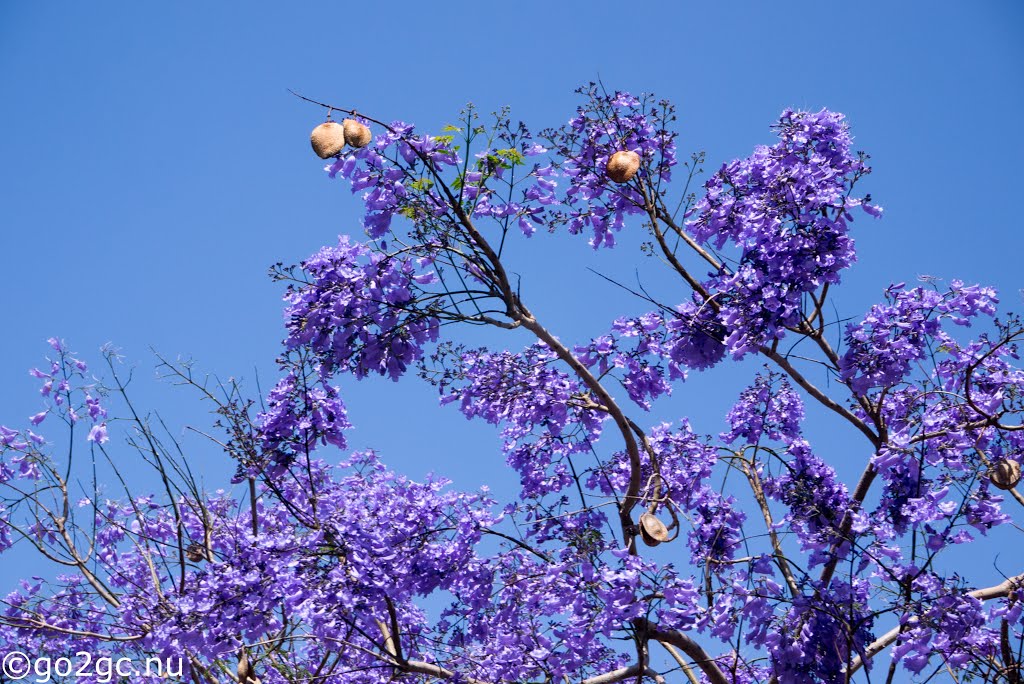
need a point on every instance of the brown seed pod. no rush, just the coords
(622, 166)
(356, 134)
(328, 139)
(652, 530)
(195, 552)
(1004, 473)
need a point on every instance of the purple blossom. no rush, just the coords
(882, 347)
(602, 126)
(98, 434)
(351, 311)
(785, 209)
(769, 409)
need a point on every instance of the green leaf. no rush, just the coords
(511, 155)
(421, 184)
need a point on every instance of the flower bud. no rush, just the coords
(328, 139)
(356, 134)
(1005, 473)
(622, 166)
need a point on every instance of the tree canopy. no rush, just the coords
(633, 550)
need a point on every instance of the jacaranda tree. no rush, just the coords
(633, 551)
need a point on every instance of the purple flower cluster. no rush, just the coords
(892, 336)
(501, 174)
(684, 462)
(819, 635)
(67, 393)
(651, 351)
(641, 369)
(387, 168)
(815, 502)
(950, 623)
(302, 411)
(769, 409)
(697, 338)
(603, 125)
(717, 530)
(403, 174)
(544, 413)
(355, 314)
(786, 208)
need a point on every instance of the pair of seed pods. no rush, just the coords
(330, 137)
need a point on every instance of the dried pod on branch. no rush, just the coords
(1004, 473)
(356, 134)
(195, 552)
(328, 139)
(652, 530)
(622, 166)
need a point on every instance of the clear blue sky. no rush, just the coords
(153, 165)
